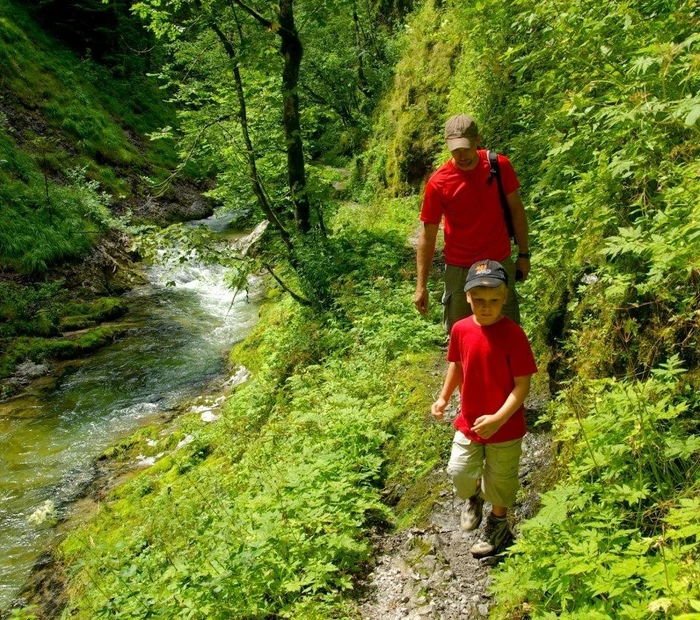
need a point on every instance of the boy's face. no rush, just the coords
(487, 303)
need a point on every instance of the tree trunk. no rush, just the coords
(250, 153)
(291, 51)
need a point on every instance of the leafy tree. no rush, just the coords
(248, 109)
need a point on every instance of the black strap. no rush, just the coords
(495, 173)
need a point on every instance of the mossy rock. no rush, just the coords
(88, 314)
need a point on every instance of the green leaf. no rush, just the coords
(692, 116)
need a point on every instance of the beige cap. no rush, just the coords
(461, 132)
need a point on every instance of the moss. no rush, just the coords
(254, 350)
(42, 349)
(87, 314)
(408, 136)
(417, 502)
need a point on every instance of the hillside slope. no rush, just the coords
(76, 168)
(599, 112)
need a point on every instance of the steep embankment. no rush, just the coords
(599, 113)
(74, 157)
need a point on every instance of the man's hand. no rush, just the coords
(421, 300)
(523, 266)
(438, 408)
(424, 259)
(486, 425)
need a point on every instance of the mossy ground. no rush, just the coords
(73, 147)
(364, 376)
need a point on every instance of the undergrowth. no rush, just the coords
(619, 536)
(71, 145)
(267, 512)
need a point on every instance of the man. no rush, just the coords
(463, 192)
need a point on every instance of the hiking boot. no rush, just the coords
(497, 538)
(471, 513)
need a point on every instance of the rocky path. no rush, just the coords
(430, 573)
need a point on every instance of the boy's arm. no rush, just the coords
(453, 380)
(486, 425)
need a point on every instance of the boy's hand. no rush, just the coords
(486, 425)
(438, 408)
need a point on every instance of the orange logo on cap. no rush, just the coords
(482, 269)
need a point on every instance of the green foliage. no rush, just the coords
(409, 127)
(620, 535)
(266, 512)
(65, 145)
(44, 223)
(30, 310)
(609, 164)
(227, 78)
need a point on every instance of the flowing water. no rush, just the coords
(50, 436)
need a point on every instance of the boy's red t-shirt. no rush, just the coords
(491, 356)
(475, 227)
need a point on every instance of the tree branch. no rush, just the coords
(253, 13)
(166, 183)
(302, 300)
(258, 189)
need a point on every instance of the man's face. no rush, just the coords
(466, 159)
(487, 303)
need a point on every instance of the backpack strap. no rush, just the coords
(495, 173)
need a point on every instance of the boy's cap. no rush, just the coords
(461, 132)
(486, 273)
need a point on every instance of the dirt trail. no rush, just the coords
(430, 573)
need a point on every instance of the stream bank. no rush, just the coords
(163, 435)
(41, 316)
(174, 344)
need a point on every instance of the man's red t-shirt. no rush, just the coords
(491, 356)
(475, 227)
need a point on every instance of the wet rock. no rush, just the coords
(241, 375)
(30, 370)
(185, 441)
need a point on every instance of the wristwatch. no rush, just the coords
(523, 254)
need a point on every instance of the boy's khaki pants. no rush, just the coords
(495, 464)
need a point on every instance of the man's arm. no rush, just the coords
(424, 259)
(486, 425)
(517, 213)
(453, 380)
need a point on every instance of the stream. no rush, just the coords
(50, 435)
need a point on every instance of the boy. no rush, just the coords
(490, 357)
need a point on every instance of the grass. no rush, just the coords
(267, 511)
(68, 115)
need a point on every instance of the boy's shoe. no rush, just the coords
(497, 538)
(471, 513)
